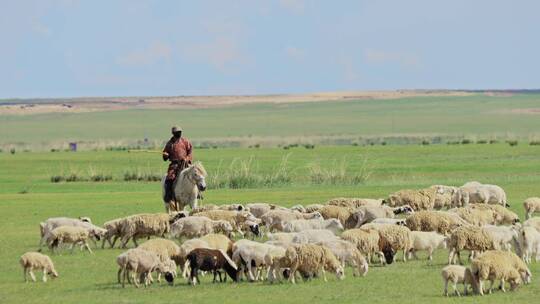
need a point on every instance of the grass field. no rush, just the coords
(27, 197)
(480, 116)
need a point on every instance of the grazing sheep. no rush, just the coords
(313, 207)
(469, 238)
(144, 225)
(423, 199)
(428, 241)
(477, 193)
(439, 221)
(494, 266)
(503, 216)
(309, 259)
(477, 216)
(530, 243)
(354, 203)
(253, 254)
(366, 240)
(504, 236)
(457, 274)
(531, 205)
(219, 242)
(392, 221)
(140, 263)
(31, 261)
(252, 228)
(54, 222)
(313, 236)
(333, 225)
(197, 226)
(232, 207)
(348, 253)
(366, 214)
(70, 235)
(210, 260)
(237, 219)
(343, 214)
(185, 249)
(167, 251)
(259, 209)
(276, 219)
(113, 231)
(391, 239)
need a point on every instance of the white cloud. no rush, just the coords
(155, 52)
(383, 57)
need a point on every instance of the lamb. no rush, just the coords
(309, 259)
(531, 205)
(418, 199)
(477, 193)
(52, 223)
(197, 226)
(71, 235)
(429, 241)
(210, 260)
(276, 219)
(144, 225)
(347, 252)
(366, 214)
(114, 231)
(504, 236)
(469, 238)
(167, 251)
(439, 221)
(354, 202)
(140, 263)
(366, 240)
(493, 266)
(457, 274)
(31, 261)
(530, 243)
(392, 221)
(503, 216)
(254, 254)
(313, 236)
(235, 218)
(333, 225)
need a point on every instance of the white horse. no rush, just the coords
(187, 186)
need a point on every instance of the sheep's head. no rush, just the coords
(387, 250)
(254, 228)
(53, 273)
(98, 233)
(340, 273)
(85, 219)
(316, 215)
(169, 277)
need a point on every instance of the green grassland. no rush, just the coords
(478, 115)
(27, 197)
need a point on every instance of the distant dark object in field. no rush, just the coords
(466, 141)
(532, 143)
(425, 142)
(73, 146)
(493, 141)
(12, 150)
(481, 141)
(512, 143)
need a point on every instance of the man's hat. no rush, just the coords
(176, 129)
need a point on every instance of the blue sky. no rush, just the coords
(119, 48)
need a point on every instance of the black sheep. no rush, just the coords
(210, 260)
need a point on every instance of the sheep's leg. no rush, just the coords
(502, 285)
(491, 286)
(135, 241)
(88, 247)
(324, 274)
(119, 273)
(446, 288)
(193, 275)
(125, 240)
(135, 279)
(292, 275)
(113, 241)
(430, 255)
(451, 253)
(32, 275)
(25, 270)
(44, 276)
(405, 255)
(185, 271)
(456, 291)
(481, 287)
(250, 271)
(459, 257)
(124, 278)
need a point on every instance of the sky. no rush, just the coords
(70, 48)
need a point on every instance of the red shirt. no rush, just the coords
(179, 149)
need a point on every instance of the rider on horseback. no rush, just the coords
(179, 152)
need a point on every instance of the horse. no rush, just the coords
(187, 186)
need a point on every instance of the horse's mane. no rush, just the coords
(198, 165)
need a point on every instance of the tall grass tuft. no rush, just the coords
(338, 173)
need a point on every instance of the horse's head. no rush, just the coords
(197, 174)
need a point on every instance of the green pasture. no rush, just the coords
(27, 197)
(478, 116)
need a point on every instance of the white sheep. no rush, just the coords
(313, 236)
(140, 263)
(258, 209)
(31, 261)
(531, 205)
(504, 236)
(530, 243)
(348, 253)
(310, 259)
(428, 241)
(197, 226)
(47, 226)
(391, 221)
(333, 225)
(457, 274)
(366, 214)
(144, 225)
(495, 265)
(276, 219)
(254, 254)
(72, 235)
(469, 238)
(476, 193)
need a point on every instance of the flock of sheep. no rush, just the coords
(307, 241)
